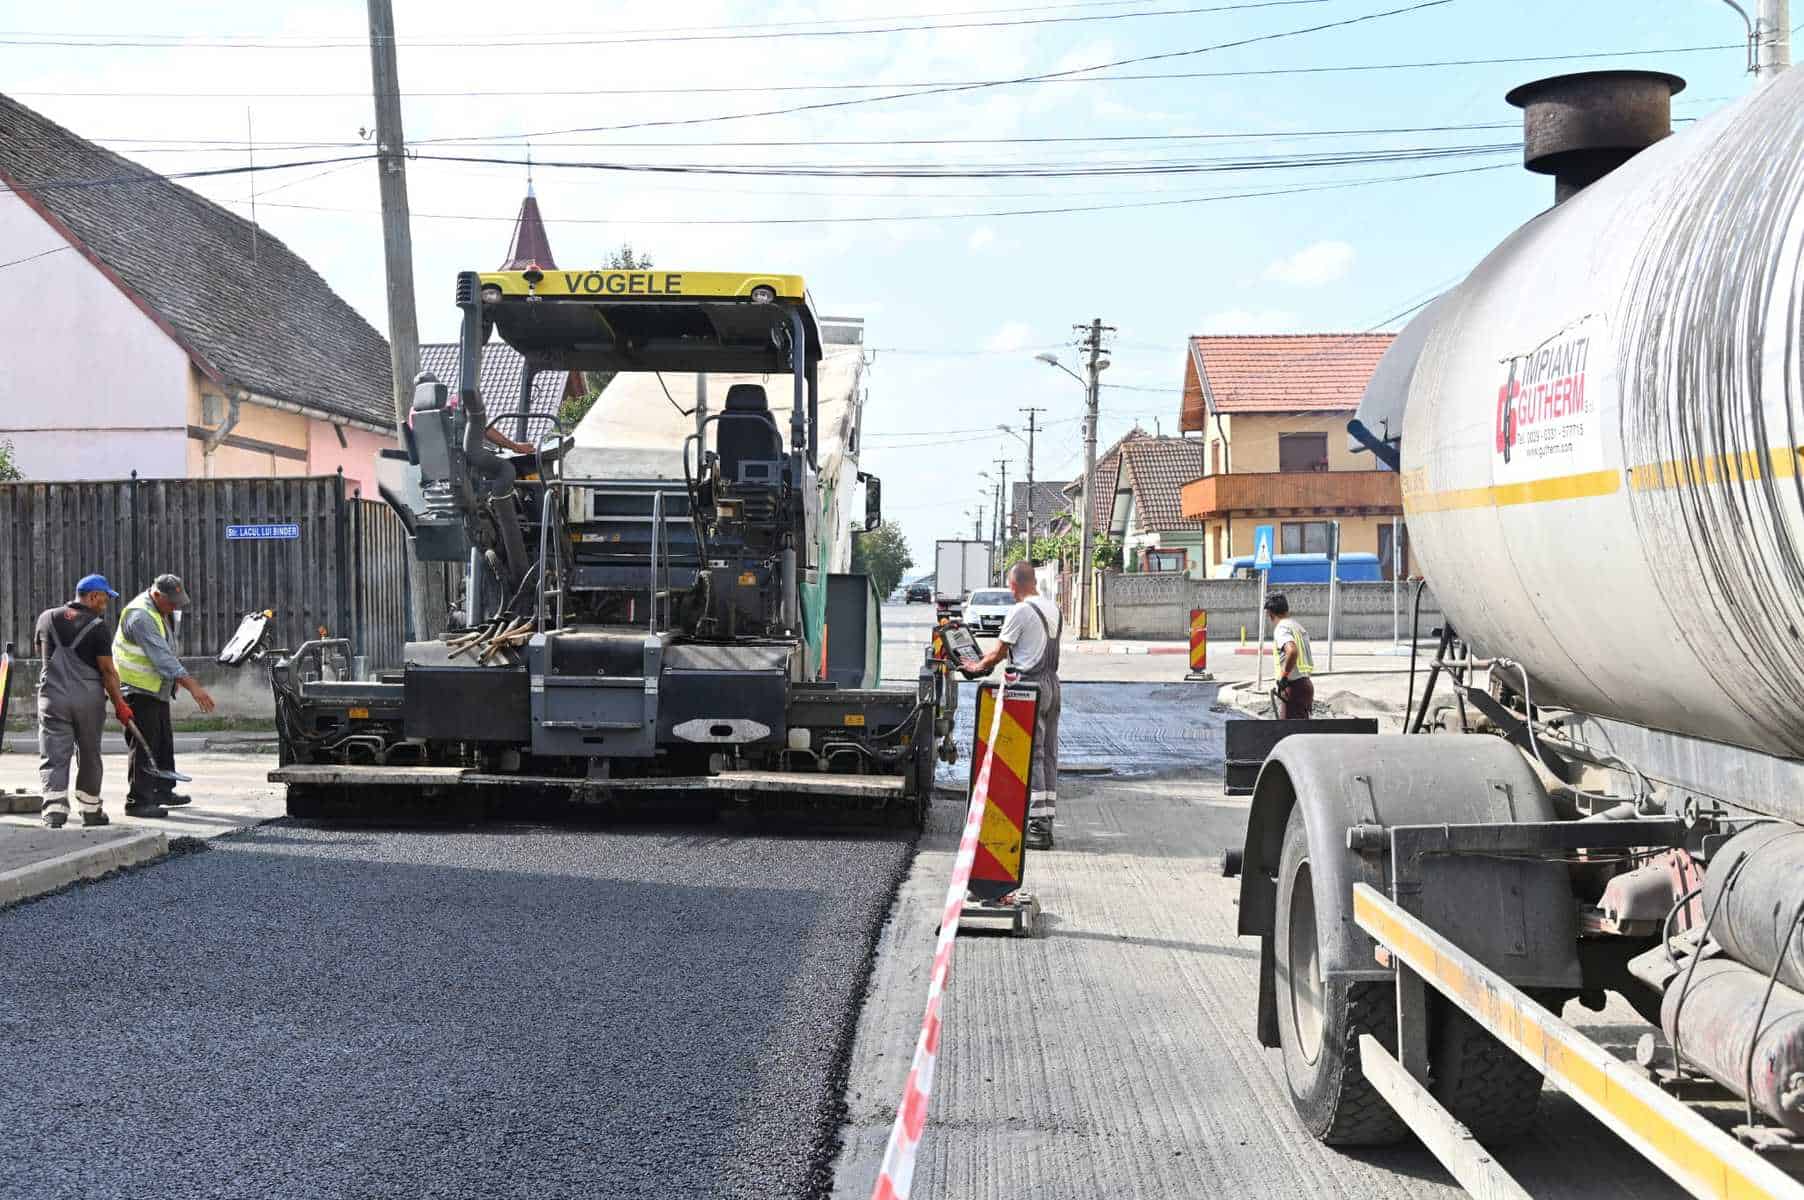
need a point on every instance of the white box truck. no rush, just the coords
(958, 567)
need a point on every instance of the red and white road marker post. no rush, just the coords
(897, 1174)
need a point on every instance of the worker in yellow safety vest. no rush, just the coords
(150, 671)
(1293, 665)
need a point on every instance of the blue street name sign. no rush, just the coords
(262, 533)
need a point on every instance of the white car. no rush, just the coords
(986, 609)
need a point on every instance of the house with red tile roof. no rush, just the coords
(1139, 481)
(1271, 412)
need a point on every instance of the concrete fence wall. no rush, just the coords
(241, 693)
(1158, 607)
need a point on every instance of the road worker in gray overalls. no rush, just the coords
(1030, 641)
(77, 678)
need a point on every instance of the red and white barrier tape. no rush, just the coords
(898, 1173)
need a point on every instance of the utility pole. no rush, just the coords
(977, 525)
(1027, 534)
(1095, 365)
(1771, 35)
(426, 596)
(397, 238)
(1002, 507)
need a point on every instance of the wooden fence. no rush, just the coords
(346, 572)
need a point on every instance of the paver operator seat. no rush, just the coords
(747, 433)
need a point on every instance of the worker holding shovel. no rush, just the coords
(148, 667)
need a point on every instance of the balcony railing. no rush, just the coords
(1293, 492)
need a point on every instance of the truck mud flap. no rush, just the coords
(1250, 742)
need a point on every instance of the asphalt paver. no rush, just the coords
(498, 1011)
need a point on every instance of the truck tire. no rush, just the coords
(1485, 1085)
(1320, 1022)
(918, 799)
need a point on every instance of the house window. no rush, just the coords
(1215, 458)
(1302, 452)
(1304, 537)
(1166, 560)
(1218, 543)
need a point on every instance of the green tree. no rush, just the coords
(575, 408)
(1063, 548)
(883, 555)
(9, 467)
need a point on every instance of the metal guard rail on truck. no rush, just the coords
(1700, 1157)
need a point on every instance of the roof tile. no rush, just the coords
(239, 299)
(1309, 372)
(1158, 468)
(500, 378)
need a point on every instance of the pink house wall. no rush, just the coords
(357, 456)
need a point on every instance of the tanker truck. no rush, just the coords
(1599, 434)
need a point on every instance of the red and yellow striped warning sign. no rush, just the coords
(1199, 640)
(997, 870)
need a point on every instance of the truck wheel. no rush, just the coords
(920, 774)
(1485, 1085)
(1320, 1022)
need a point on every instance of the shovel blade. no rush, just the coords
(145, 766)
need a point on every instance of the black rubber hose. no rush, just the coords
(1415, 623)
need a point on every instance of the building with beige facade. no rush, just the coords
(1272, 413)
(150, 330)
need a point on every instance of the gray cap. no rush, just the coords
(170, 588)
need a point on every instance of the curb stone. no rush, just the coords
(35, 879)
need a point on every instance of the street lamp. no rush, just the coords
(1089, 385)
(1052, 360)
(1027, 533)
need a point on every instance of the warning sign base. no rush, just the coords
(1200, 677)
(1020, 909)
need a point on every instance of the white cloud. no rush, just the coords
(1245, 320)
(1314, 265)
(1014, 335)
(981, 238)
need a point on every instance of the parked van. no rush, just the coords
(1311, 568)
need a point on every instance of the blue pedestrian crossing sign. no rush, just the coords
(1262, 547)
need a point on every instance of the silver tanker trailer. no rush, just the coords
(1601, 439)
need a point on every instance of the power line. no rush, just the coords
(800, 23)
(168, 145)
(1023, 79)
(910, 217)
(34, 257)
(141, 41)
(1011, 169)
(929, 85)
(144, 175)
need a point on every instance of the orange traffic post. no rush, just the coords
(1199, 646)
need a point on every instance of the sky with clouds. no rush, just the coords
(1302, 180)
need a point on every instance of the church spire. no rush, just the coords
(531, 246)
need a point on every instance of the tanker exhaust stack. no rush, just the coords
(1578, 128)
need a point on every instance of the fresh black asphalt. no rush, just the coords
(493, 1012)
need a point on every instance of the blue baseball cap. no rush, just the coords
(95, 583)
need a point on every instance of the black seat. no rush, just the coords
(745, 432)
